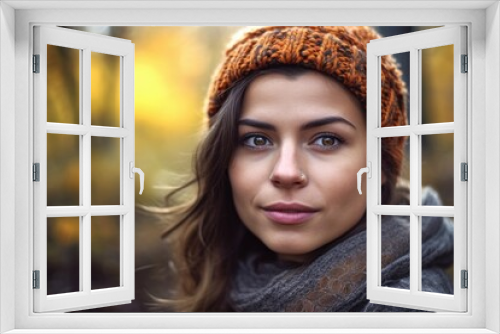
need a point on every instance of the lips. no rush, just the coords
(289, 213)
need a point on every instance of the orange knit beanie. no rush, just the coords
(337, 51)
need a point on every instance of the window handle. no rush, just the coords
(138, 171)
(368, 171)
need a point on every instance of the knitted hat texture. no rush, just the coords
(337, 51)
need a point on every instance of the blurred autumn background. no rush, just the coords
(173, 67)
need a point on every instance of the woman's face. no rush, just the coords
(308, 124)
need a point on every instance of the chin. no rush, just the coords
(287, 249)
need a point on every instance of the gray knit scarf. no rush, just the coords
(335, 281)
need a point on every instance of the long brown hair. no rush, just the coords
(205, 233)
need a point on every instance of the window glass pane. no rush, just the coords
(395, 251)
(63, 255)
(105, 162)
(390, 155)
(437, 84)
(63, 85)
(437, 166)
(105, 101)
(63, 170)
(105, 252)
(437, 247)
(403, 61)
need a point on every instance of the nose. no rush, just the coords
(286, 170)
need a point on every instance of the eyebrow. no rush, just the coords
(308, 125)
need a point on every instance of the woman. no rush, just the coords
(277, 223)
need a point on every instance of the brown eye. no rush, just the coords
(328, 142)
(256, 142)
(259, 141)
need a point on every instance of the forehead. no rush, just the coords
(280, 98)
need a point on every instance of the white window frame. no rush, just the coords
(16, 21)
(86, 44)
(414, 43)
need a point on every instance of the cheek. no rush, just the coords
(244, 177)
(346, 206)
(339, 186)
(246, 181)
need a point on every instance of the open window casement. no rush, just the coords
(417, 45)
(68, 212)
